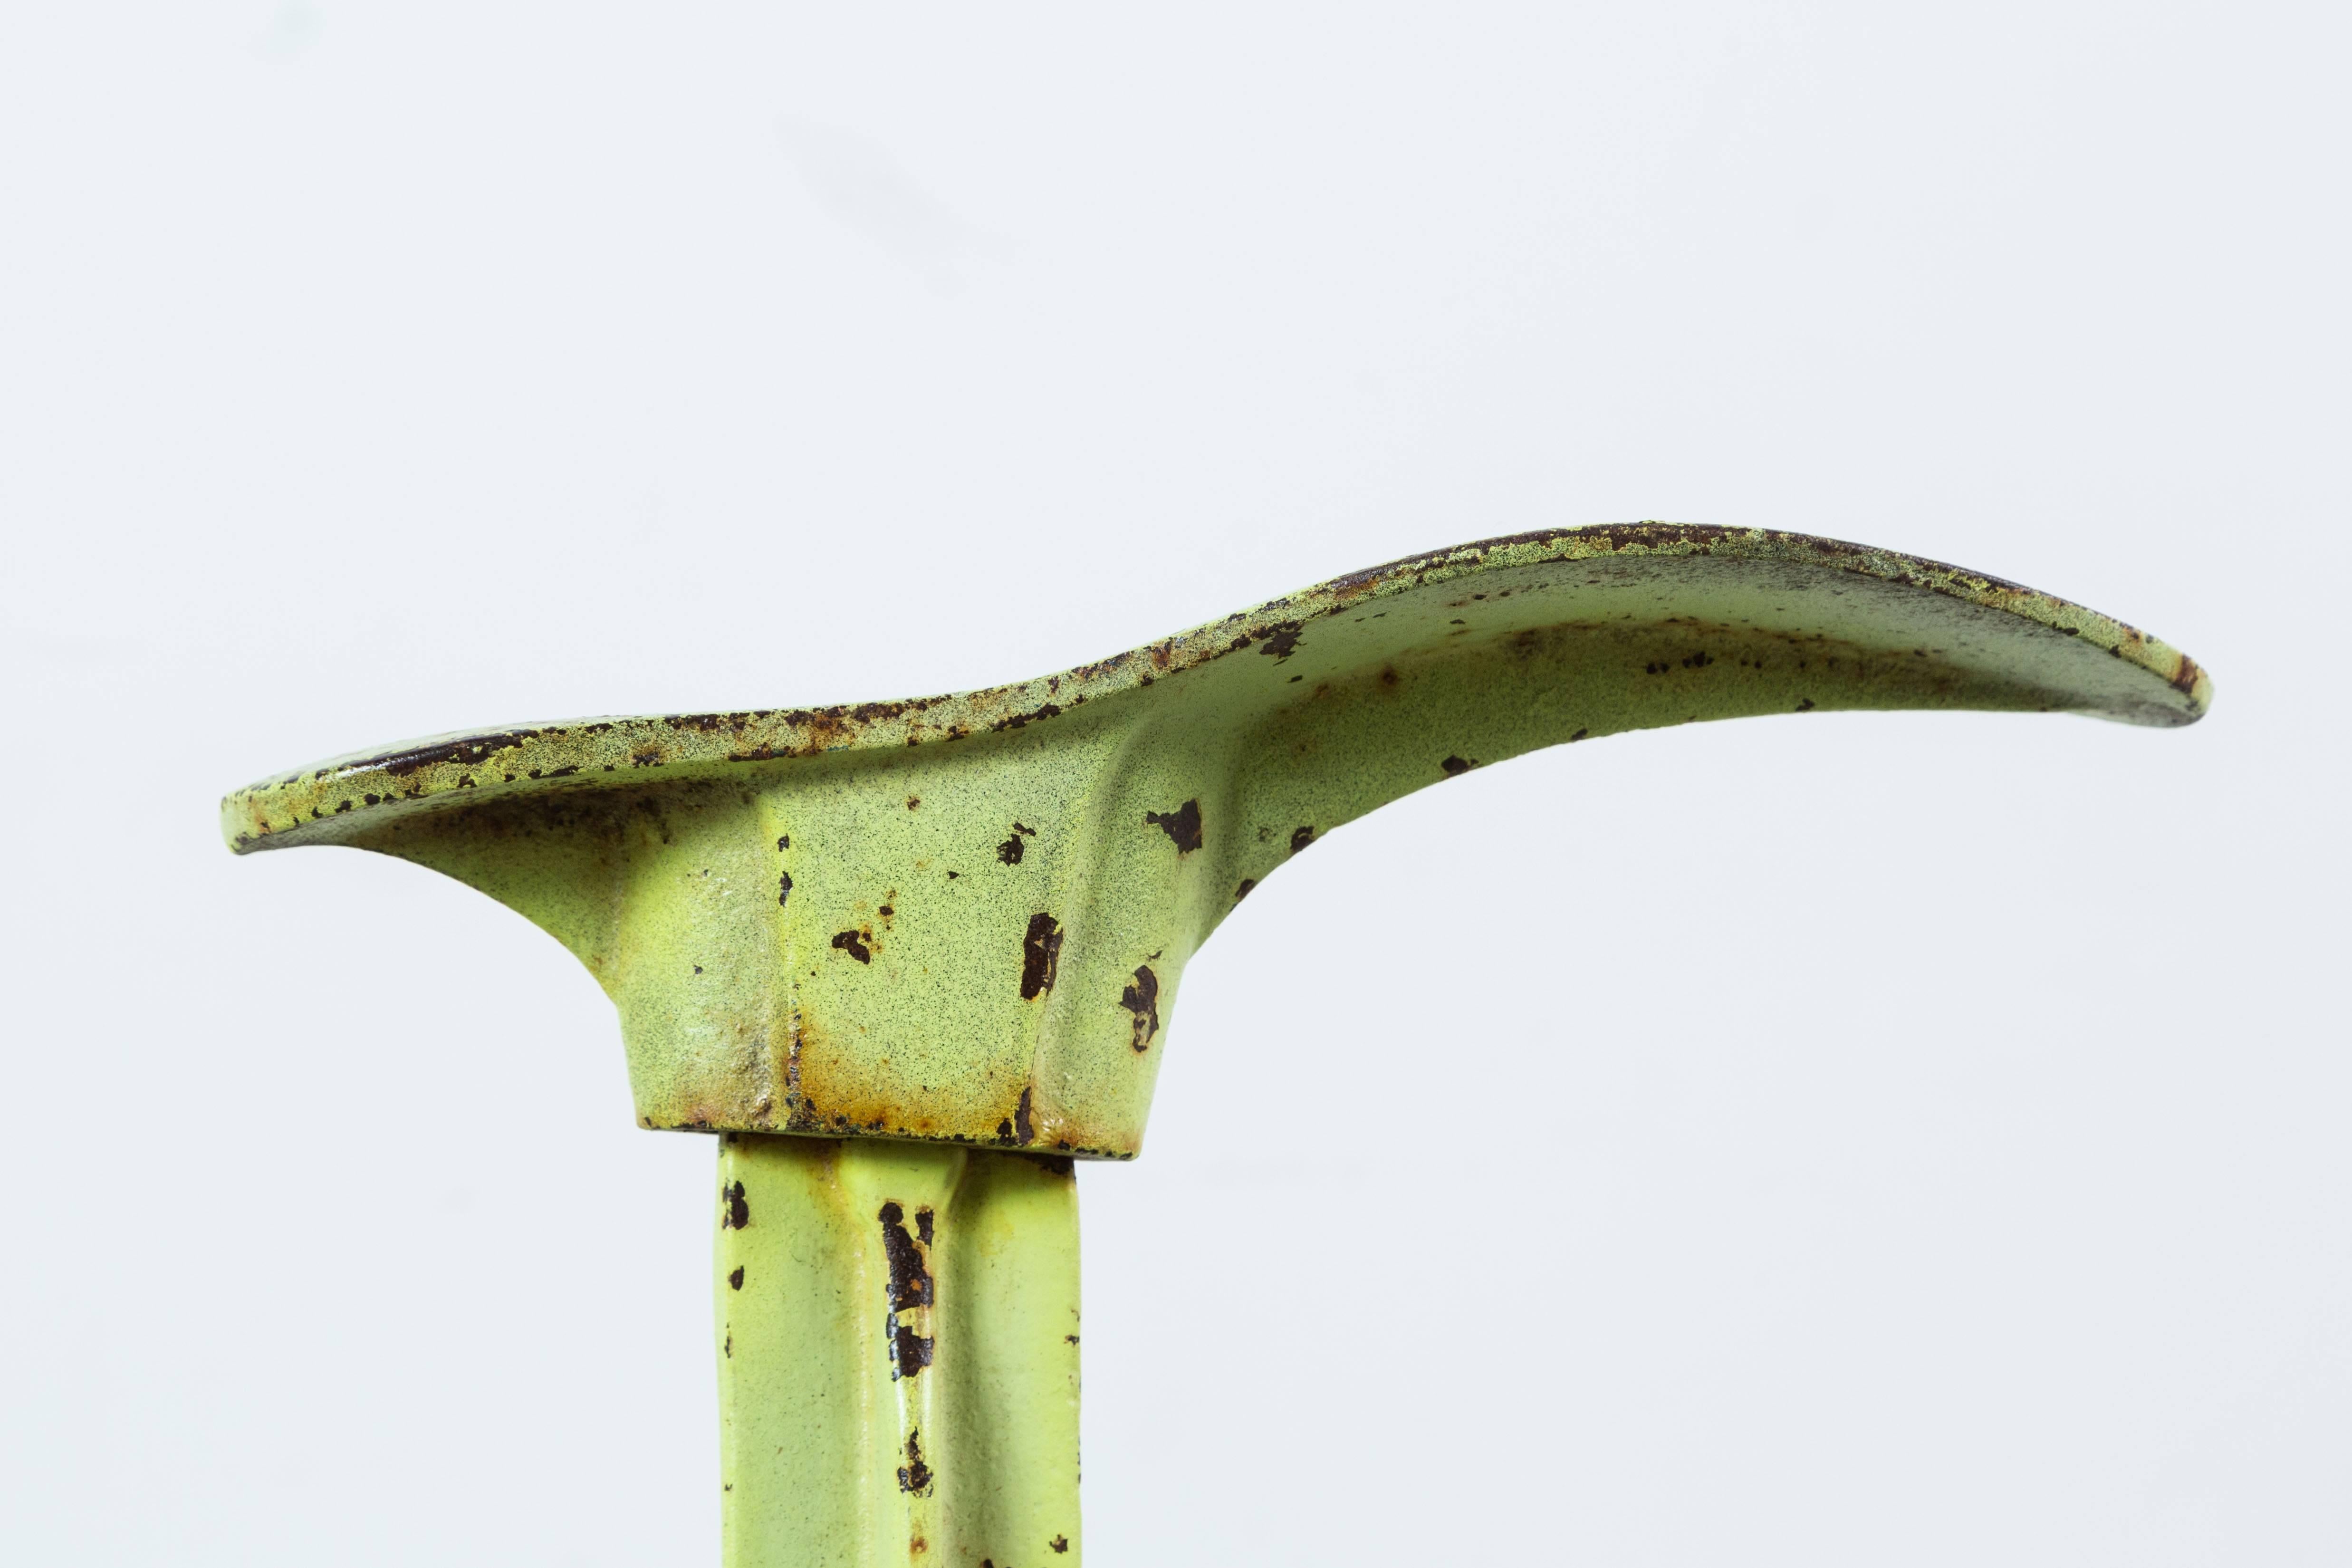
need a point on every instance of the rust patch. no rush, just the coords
(1300, 838)
(915, 1476)
(1045, 710)
(1282, 641)
(910, 1289)
(1018, 1128)
(853, 942)
(1041, 953)
(2184, 679)
(1182, 824)
(1141, 998)
(1456, 766)
(472, 748)
(735, 1278)
(1244, 891)
(737, 1214)
(1060, 1543)
(784, 887)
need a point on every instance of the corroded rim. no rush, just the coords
(273, 812)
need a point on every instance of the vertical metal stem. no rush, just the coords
(899, 1354)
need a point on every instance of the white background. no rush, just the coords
(1843, 1140)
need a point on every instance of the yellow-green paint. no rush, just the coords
(935, 943)
(897, 1353)
(966, 919)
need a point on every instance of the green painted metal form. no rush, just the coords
(913, 959)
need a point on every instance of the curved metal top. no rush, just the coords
(2104, 667)
(967, 918)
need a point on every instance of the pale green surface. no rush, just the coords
(821, 1437)
(955, 921)
(899, 989)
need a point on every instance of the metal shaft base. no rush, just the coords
(898, 1355)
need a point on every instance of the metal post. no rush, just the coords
(897, 1353)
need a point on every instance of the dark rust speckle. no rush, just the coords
(1182, 824)
(910, 1288)
(1141, 998)
(915, 1476)
(1041, 953)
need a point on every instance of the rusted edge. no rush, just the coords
(275, 812)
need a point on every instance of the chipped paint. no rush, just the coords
(924, 919)
(898, 1333)
(937, 942)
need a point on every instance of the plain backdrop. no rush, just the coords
(1843, 1140)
